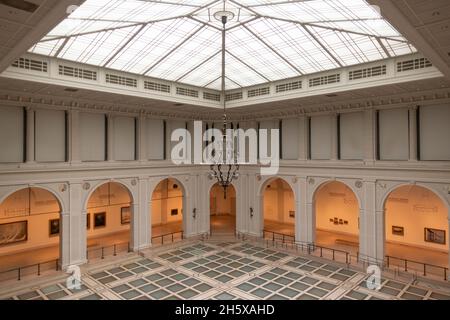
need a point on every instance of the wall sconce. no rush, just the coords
(194, 213)
(251, 212)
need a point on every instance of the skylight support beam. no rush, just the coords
(248, 66)
(174, 3)
(198, 66)
(334, 29)
(273, 50)
(212, 81)
(174, 49)
(312, 35)
(118, 51)
(386, 51)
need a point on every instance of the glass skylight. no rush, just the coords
(180, 40)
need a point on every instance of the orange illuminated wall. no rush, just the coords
(334, 201)
(37, 207)
(109, 198)
(166, 197)
(415, 208)
(279, 204)
(219, 205)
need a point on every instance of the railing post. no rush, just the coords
(424, 269)
(445, 274)
(321, 252)
(39, 269)
(172, 237)
(346, 257)
(103, 253)
(333, 254)
(406, 265)
(115, 250)
(18, 274)
(387, 261)
(57, 264)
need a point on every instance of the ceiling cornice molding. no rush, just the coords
(425, 97)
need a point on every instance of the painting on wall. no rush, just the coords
(336, 221)
(100, 220)
(53, 227)
(435, 236)
(125, 215)
(174, 212)
(291, 214)
(398, 231)
(13, 232)
(88, 221)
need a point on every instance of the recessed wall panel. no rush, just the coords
(11, 134)
(321, 137)
(352, 136)
(155, 139)
(124, 138)
(92, 136)
(289, 139)
(50, 135)
(393, 134)
(434, 132)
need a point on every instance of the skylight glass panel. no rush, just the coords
(188, 55)
(266, 40)
(152, 44)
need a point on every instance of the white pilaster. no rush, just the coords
(302, 220)
(110, 138)
(370, 135)
(141, 138)
(303, 139)
(334, 137)
(413, 143)
(30, 142)
(74, 136)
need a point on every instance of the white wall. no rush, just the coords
(155, 139)
(124, 138)
(92, 136)
(415, 208)
(289, 139)
(50, 135)
(352, 136)
(321, 137)
(394, 134)
(336, 200)
(11, 134)
(434, 132)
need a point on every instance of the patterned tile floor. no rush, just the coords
(222, 271)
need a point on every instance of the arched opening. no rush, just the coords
(29, 228)
(278, 208)
(222, 210)
(109, 213)
(336, 210)
(416, 226)
(167, 208)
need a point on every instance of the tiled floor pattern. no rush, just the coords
(224, 271)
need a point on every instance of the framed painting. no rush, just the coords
(13, 232)
(291, 214)
(125, 215)
(174, 212)
(398, 231)
(99, 220)
(435, 236)
(53, 227)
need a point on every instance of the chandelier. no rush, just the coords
(225, 167)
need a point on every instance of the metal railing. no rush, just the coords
(33, 269)
(309, 248)
(276, 236)
(111, 250)
(171, 237)
(412, 266)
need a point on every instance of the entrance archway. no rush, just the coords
(336, 211)
(30, 228)
(278, 207)
(109, 214)
(222, 210)
(416, 226)
(167, 208)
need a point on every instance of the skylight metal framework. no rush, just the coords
(179, 40)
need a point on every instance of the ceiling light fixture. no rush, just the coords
(226, 168)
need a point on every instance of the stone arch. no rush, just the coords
(210, 189)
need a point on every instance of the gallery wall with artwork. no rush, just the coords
(337, 209)
(167, 203)
(279, 204)
(220, 205)
(27, 221)
(108, 210)
(416, 216)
